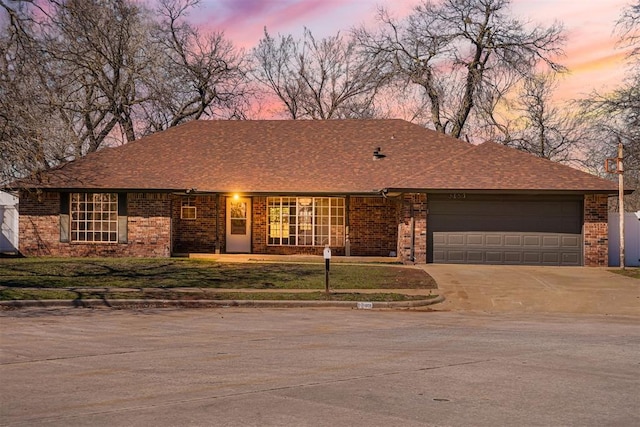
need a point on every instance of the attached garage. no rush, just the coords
(505, 229)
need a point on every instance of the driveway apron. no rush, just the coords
(499, 288)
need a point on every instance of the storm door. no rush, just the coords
(238, 225)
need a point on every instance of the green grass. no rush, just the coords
(88, 278)
(48, 294)
(629, 272)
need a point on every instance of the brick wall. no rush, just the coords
(148, 228)
(596, 229)
(39, 224)
(259, 226)
(199, 235)
(373, 225)
(412, 229)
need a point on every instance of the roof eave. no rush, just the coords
(502, 191)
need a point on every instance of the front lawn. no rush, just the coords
(57, 278)
(629, 272)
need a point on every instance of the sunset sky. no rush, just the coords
(595, 63)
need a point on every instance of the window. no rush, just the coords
(94, 217)
(305, 221)
(238, 217)
(188, 210)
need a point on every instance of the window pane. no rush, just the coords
(238, 226)
(94, 217)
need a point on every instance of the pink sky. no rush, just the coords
(591, 55)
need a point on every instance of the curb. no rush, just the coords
(163, 303)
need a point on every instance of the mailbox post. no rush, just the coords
(327, 260)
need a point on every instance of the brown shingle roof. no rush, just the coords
(492, 166)
(333, 156)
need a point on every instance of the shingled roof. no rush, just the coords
(332, 156)
(492, 166)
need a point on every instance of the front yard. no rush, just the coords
(629, 272)
(175, 278)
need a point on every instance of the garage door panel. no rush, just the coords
(455, 239)
(571, 258)
(475, 257)
(551, 258)
(532, 258)
(455, 255)
(531, 241)
(513, 240)
(475, 239)
(494, 239)
(493, 257)
(570, 241)
(513, 257)
(550, 241)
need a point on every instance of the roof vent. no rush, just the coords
(377, 155)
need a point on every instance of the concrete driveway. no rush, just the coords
(499, 288)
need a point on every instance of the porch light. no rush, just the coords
(236, 196)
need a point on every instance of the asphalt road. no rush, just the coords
(316, 367)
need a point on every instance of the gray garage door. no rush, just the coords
(481, 229)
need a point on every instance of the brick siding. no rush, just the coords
(373, 225)
(413, 224)
(148, 228)
(204, 234)
(596, 229)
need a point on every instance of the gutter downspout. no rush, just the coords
(347, 242)
(217, 245)
(412, 255)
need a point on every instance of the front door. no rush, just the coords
(238, 225)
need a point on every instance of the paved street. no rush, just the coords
(317, 367)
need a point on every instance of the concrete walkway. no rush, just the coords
(297, 259)
(529, 289)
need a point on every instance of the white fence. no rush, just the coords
(9, 225)
(631, 239)
(9, 217)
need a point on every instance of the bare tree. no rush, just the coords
(318, 79)
(616, 115)
(455, 49)
(28, 115)
(531, 122)
(195, 75)
(81, 74)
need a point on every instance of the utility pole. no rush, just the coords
(621, 202)
(615, 166)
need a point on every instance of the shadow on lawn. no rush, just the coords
(139, 274)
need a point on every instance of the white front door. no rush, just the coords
(238, 225)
